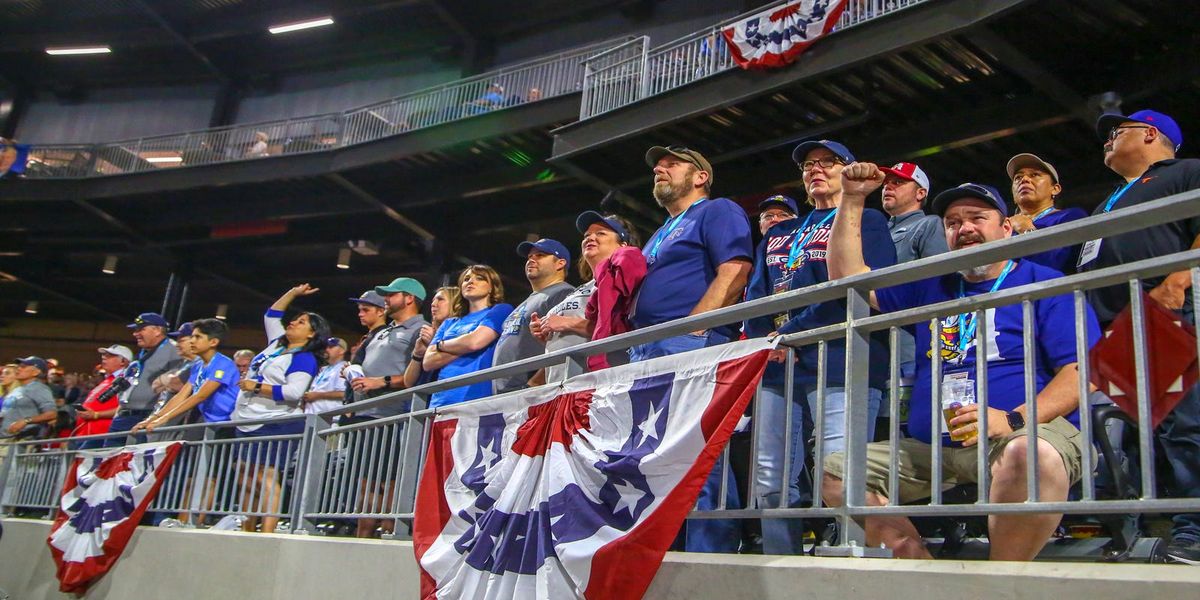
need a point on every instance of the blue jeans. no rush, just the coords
(676, 345)
(834, 433)
(1179, 438)
(124, 423)
(781, 536)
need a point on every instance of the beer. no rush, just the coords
(949, 412)
(957, 393)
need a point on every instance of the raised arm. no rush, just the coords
(845, 254)
(273, 319)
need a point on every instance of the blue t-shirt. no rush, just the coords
(1053, 329)
(682, 259)
(773, 275)
(492, 318)
(1059, 259)
(221, 403)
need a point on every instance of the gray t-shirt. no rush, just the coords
(29, 400)
(574, 305)
(516, 341)
(156, 362)
(388, 353)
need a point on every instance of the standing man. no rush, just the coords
(699, 260)
(774, 210)
(1141, 149)
(546, 263)
(1035, 187)
(242, 359)
(98, 410)
(157, 355)
(32, 403)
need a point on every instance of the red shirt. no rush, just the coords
(617, 282)
(85, 427)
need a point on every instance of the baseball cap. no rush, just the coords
(655, 153)
(780, 201)
(909, 171)
(185, 330)
(372, 298)
(838, 149)
(34, 361)
(336, 341)
(117, 350)
(986, 193)
(1026, 159)
(1159, 121)
(590, 217)
(148, 318)
(546, 245)
(406, 285)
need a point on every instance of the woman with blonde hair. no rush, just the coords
(8, 381)
(466, 344)
(443, 305)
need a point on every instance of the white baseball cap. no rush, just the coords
(118, 350)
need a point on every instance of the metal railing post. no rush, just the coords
(856, 390)
(310, 472)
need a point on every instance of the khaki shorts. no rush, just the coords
(915, 463)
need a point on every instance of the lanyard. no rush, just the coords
(260, 361)
(1043, 213)
(667, 228)
(1117, 196)
(966, 323)
(798, 246)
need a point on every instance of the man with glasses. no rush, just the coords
(1035, 187)
(775, 209)
(1141, 149)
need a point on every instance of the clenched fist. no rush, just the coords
(859, 179)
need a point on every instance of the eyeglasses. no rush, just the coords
(1115, 131)
(826, 163)
(767, 216)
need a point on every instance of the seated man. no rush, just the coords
(972, 214)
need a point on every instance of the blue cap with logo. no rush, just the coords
(149, 318)
(546, 245)
(185, 330)
(979, 191)
(34, 361)
(590, 217)
(779, 201)
(1162, 122)
(837, 148)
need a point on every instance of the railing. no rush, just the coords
(371, 470)
(608, 84)
(527, 82)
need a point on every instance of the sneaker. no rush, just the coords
(1187, 553)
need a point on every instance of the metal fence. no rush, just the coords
(519, 84)
(372, 470)
(617, 80)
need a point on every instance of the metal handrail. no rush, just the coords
(550, 76)
(705, 53)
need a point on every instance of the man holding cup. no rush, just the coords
(972, 214)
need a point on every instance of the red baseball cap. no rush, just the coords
(908, 171)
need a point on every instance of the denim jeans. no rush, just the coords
(124, 423)
(834, 433)
(676, 345)
(1179, 440)
(781, 536)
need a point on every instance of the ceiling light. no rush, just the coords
(222, 311)
(343, 258)
(288, 27)
(110, 264)
(79, 50)
(32, 307)
(164, 159)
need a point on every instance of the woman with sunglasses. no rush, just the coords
(466, 344)
(274, 389)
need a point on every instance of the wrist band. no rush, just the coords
(438, 346)
(258, 388)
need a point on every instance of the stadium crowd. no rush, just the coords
(703, 258)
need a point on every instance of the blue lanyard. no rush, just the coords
(966, 323)
(1043, 213)
(1117, 196)
(798, 246)
(667, 228)
(260, 361)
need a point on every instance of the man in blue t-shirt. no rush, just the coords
(972, 214)
(698, 261)
(212, 386)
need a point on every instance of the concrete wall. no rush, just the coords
(185, 565)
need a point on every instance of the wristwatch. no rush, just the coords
(258, 388)
(1016, 420)
(387, 381)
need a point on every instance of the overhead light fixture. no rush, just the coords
(343, 258)
(222, 311)
(289, 27)
(364, 247)
(78, 50)
(110, 265)
(164, 159)
(32, 307)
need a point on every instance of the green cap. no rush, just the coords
(408, 285)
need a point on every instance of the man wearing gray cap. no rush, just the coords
(1035, 187)
(31, 404)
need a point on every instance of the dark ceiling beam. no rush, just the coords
(181, 40)
(42, 288)
(1010, 57)
(370, 200)
(471, 47)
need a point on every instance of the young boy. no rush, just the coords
(213, 386)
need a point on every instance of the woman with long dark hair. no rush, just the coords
(465, 344)
(274, 388)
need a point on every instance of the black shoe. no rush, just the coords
(1187, 553)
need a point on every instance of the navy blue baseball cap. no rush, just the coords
(149, 318)
(837, 148)
(371, 298)
(34, 361)
(185, 330)
(979, 191)
(1163, 123)
(590, 217)
(546, 245)
(779, 201)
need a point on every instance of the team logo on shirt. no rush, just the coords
(219, 374)
(949, 337)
